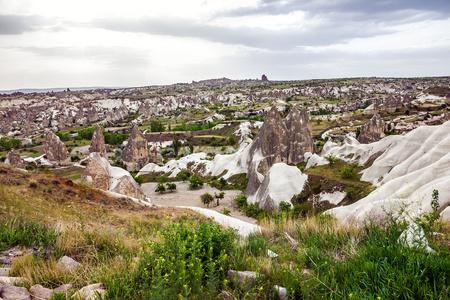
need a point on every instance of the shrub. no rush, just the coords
(206, 199)
(331, 158)
(171, 187)
(160, 188)
(284, 206)
(225, 211)
(74, 158)
(347, 172)
(195, 182)
(231, 140)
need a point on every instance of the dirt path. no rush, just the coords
(186, 197)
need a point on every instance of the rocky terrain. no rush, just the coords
(285, 152)
(299, 117)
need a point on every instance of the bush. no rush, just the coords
(284, 206)
(195, 182)
(160, 188)
(139, 179)
(156, 126)
(347, 172)
(206, 199)
(190, 262)
(74, 158)
(171, 187)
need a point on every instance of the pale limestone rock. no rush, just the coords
(135, 155)
(90, 292)
(13, 158)
(98, 142)
(372, 131)
(38, 292)
(67, 264)
(102, 175)
(9, 292)
(55, 150)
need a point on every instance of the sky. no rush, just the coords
(83, 43)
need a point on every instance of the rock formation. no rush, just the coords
(278, 141)
(13, 158)
(155, 155)
(102, 175)
(373, 131)
(135, 155)
(299, 135)
(55, 150)
(98, 142)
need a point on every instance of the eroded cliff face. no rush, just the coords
(278, 141)
(98, 142)
(13, 158)
(373, 131)
(55, 150)
(102, 175)
(135, 155)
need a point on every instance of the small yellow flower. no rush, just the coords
(379, 298)
(350, 295)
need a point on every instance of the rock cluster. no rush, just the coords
(102, 175)
(98, 142)
(13, 158)
(278, 141)
(155, 155)
(135, 155)
(55, 150)
(373, 131)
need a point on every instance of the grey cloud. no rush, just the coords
(18, 24)
(115, 57)
(372, 9)
(290, 38)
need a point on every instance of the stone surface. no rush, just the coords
(68, 264)
(38, 292)
(13, 158)
(372, 131)
(91, 291)
(102, 175)
(277, 141)
(4, 271)
(97, 172)
(414, 237)
(299, 136)
(55, 150)
(9, 292)
(63, 288)
(244, 277)
(155, 155)
(98, 142)
(282, 292)
(135, 155)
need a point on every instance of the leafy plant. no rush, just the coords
(347, 172)
(331, 158)
(171, 187)
(195, 182)
(160, 188)
(206, 199)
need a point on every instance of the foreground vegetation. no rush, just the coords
(156, 253)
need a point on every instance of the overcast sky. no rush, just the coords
(55, 43)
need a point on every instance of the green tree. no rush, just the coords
(171, 187)
(331, 158)
(191, 148)
(156, 126)
(195, 182)
(206, 199)
(160, 188)
(231, 140)
(176, 144)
